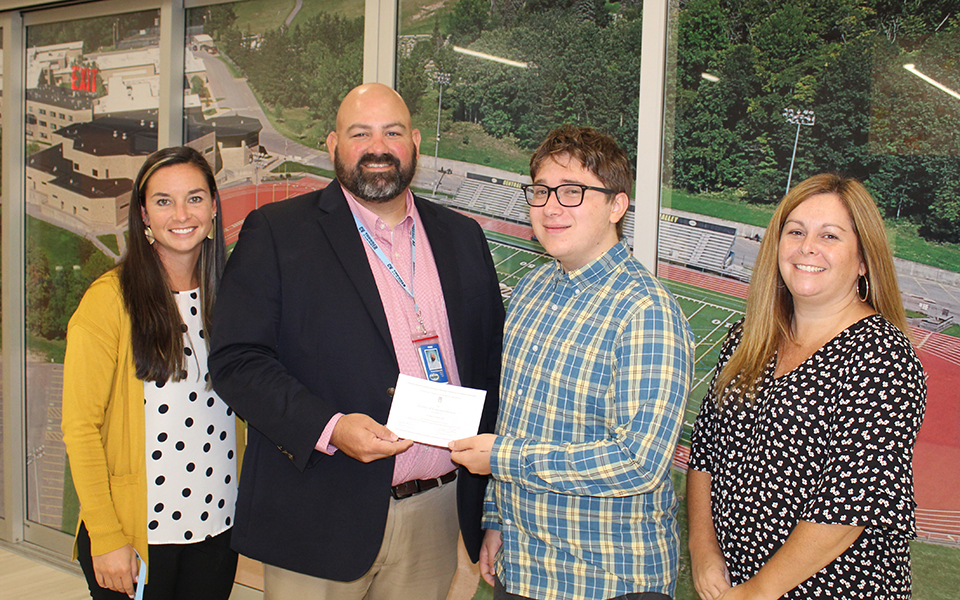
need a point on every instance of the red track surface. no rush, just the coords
(237, 202)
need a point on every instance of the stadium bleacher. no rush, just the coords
(696, 244)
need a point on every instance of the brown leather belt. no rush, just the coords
(415, 486)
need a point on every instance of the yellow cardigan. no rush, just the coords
(103, 421)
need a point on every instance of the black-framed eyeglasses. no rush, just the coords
(568, 194)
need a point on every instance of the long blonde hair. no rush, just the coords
(769, 313)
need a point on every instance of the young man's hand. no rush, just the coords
(473, 452)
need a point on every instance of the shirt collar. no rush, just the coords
(370, 219)
(596, 270)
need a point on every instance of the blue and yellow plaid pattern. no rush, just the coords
(597, 365)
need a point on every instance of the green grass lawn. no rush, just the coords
(61, 246)
(110, 241)
(295, 167)
(258, 16)
(296, 124)
(721, 208)
(419, 16)
(467, 142)
(52, 350)
(350, 9)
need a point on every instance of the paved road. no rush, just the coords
(293, 13)
(237, 98)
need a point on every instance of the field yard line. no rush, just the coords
(710, 304)
(712, 346)
(705, 377)
(702, 306)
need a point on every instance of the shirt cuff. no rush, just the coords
(505, 458)
(323, 444)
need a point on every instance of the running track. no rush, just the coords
(937, 453)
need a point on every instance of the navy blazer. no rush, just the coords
(299, 334)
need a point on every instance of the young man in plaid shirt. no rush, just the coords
(597, 364)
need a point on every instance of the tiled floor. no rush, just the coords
(23, 578)
(30, 574)
(27, 575)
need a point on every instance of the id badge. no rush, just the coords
(431, 358)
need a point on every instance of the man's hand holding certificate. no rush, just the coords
(434, 413)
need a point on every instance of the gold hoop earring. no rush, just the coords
(213, 224)
(866, 288)
(148, 233)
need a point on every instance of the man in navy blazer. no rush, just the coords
(310, 332)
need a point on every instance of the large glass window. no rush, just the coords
(262, 90)
(486, 81)
(102, 75)
(767, 95)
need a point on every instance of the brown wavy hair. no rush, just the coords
(596, 151)
(769, 313)
(157, 329)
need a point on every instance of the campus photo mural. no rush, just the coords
(760, 95)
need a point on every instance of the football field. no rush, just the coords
(709, 313)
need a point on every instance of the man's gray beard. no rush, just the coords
(377, 187)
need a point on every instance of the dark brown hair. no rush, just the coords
(597, 152)
(157, 327)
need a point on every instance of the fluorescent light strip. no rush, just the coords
(505, 61)
(931, 81)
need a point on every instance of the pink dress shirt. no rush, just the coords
(420, 461)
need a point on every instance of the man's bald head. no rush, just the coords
(374, 148)
(371, 96)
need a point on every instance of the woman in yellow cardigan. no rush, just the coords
(152, 449)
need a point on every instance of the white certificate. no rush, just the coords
(434, 413)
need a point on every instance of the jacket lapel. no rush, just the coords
(448, 269)
(338, 225)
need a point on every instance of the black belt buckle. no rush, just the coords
(415, 486)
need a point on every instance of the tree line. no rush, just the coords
(312, 64)
(842, 59)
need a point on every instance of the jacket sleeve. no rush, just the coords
(245, 362)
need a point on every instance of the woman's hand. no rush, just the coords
(710, 577)
(117, 570)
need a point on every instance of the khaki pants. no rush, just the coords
(417, 560)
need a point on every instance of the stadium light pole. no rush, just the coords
(442, 79)
(798, 118)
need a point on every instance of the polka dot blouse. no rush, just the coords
(829, 442)
(191, 445)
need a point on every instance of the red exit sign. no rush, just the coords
(84, 79)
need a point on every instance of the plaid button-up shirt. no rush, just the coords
(597, 365)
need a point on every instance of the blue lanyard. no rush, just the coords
(141, 578)
(389, 264)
